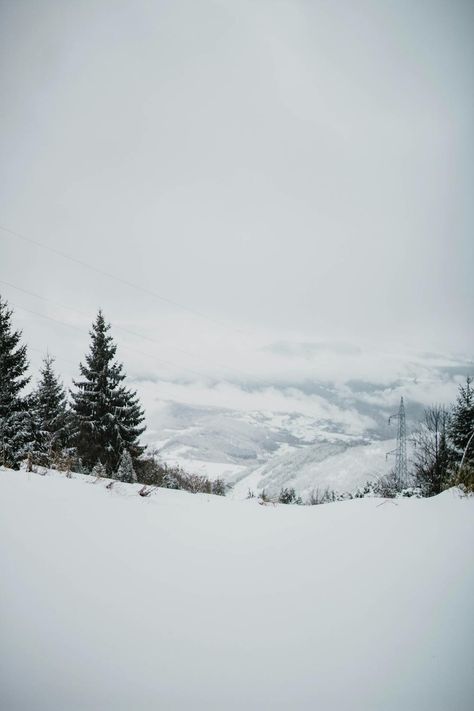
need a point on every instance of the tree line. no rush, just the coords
(98, 426)
(94, 429)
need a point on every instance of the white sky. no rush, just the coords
(298, 171)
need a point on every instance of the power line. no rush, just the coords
(44, 298)
(133, 350)
(41, 352)
(122, 328)
(109, 275)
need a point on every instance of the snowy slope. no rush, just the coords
(269, 449)
(340, 466)
(112, 601)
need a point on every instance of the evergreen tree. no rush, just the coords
(13, 367)
(126, 472)
(98, 469)
(48, 416)
(106, 415)
(462, 419)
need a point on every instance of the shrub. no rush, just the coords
(264, 497)
(152, 472)
(219, 487)
(388, 486)
(288, 496)
(464, 478)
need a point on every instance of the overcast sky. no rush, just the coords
(296, 171)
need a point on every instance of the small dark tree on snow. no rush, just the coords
(13, 378)
(107, 417)
(288, 496)
(218, 487)
(126, 472)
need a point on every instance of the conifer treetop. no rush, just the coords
(13, 356)
(99, 360)
(13, 378)
(48, 414)
(107, 416)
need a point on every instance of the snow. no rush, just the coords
(180, 601)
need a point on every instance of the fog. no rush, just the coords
(295, 172)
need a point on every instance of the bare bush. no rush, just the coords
(318, 496)
(433, 457)
(152, 472)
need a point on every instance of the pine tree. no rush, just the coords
(462, 419)
(13, 367)
(48, 416)
(126, 472)
(106, 415)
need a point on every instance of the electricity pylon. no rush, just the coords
(401, 469)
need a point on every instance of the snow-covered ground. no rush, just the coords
(334, 465)
(113, 601)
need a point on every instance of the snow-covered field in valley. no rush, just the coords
(114, 601)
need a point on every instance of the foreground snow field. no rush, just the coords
(112, 601)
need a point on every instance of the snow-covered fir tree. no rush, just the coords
(125, 471)
(462, 419)
(13, 378)
(106, 416)
(48, 416)
(98, 469)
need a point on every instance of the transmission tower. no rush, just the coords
(401, 451)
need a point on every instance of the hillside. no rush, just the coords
(269, 450)
(112, 601)
(325, 426)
